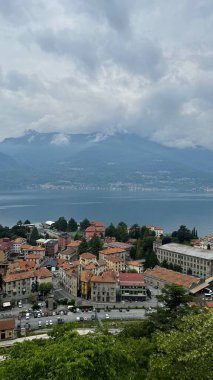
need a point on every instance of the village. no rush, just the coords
(60, 269)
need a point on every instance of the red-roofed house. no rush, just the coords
(113, 252)
(103, 287)
(44, 275)
(95, 228)
(132, 287)
(87, 258)
(159, 276)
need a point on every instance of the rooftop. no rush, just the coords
(7, 324)
(106, 277)
(187, 250)
(129, 277)
(87, 255)
(112, 251)
(172, 277)
(134, 263)
(43, 273)
(19, 276)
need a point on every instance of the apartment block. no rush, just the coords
(199, 261)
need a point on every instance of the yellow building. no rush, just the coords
(85, 280)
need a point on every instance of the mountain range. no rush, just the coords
(119, 161)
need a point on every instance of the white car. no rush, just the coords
(51, 322)
(39, 324)
(47, 323)
(107, 316)
(78, 319)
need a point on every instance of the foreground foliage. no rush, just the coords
(175, 342)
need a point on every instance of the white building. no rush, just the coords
(158, 230)
(199, 261)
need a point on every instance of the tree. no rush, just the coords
(122, 233)
(132, 271)
(151, 260)
(111, 231)
(186, 352)
(61, 224)
(174, 297)
(84, 224)
(95, 245)
(132, 252)
(72, 225)
(83, 247)
(134, 231)
(166, 240)
(34, 236)
(45, 288)
(183, 235)
(189, 271)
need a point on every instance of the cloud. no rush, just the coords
(108, 65)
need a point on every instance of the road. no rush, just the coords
(86, 316)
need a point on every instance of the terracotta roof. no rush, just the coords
(38, 249)
(87, 255)
(134, 263)
(115, 259)
(132, 283)
(19, 276)
(74, 243)
(96, 223)
(75, 263)
(19, 240)
(68, 251)
(34, 256)
(91, 266)
(21, 265)
(85, 276)
(27, 247)
(106, 277)
(172, 277)
(131, 277)
(155, 227)
(112, 251)
(7, 324)
(43, 273)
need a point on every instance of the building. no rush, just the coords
(5, 247)
(87, 258)
(85, 283)
(19, 285)
(113, 252)
(132, 287)
(156, 229)
(135, 265)
(63, 240)
(71, 282)
(103, 287)
(7, 328)
(16, 245)
(35, 257)
(160, 277)
(116, 264)
(44, 276)
(198, 261)
(51, 247)
(118, 244)
(95, 228)
(68, 254)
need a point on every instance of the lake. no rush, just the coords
(168, 210)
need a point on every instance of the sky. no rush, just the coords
(107, 66)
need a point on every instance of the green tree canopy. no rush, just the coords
(95, 245)
(45, 288)
(185, 353)
(34, 236)
(174, 297)
(111, 231)
(83, 247)
(84, 224)
(72, 225)
(61, 224)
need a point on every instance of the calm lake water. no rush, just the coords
(166, 210)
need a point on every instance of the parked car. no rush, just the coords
(39, 315)
(50, 322)
(81, 319)
(78, 319)
(47, 323)
(107, 316)
(39, 324)
(92, 317)
(85, 318)
(27, 315)
(120, 309)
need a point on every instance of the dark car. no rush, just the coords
(81, 319)
(127, 309)
(120, 310)
(92, 317)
